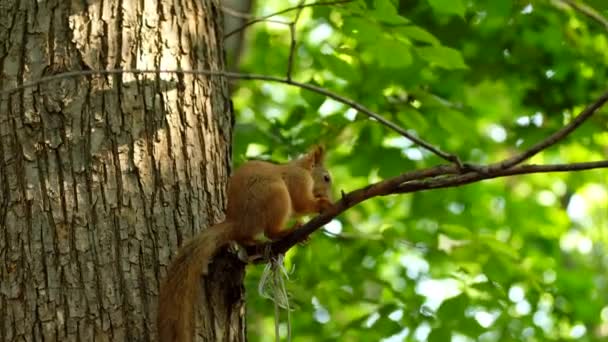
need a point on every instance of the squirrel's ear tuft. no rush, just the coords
(318, 154)
(313, 158)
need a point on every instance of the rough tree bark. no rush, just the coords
(102, 178)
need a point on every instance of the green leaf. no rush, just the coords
(385, 11)
(453, 308)
(387, 326)
(339, 67)
(417, 33)
(456, 231)
(440, 335)
(313, 99)
(412, 118)
(392, 162)
(363, 30)
(296, 116)
(249, 134)
(442, 56)
(500, 248)
(456, 7)
(400, 55)
(454, 121)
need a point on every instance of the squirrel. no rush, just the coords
(262, 197)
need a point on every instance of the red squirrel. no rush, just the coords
(262, 197)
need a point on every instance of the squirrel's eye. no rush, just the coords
(326, 178)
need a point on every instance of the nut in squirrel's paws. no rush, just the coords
(323, 203)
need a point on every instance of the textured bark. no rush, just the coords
(102, 178)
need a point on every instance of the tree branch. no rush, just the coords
(588, 11)
(470, 177)
(299, 7)
(339, 98)
(441, 176)
(552, 139)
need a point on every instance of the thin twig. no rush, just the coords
(553, 138)
(418, 180)
(292, 46)
(588, 11)
(299, 11)
(276, 21)
(260, 19)
(235, 13)
(339, 98)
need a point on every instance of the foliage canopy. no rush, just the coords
(522, 258)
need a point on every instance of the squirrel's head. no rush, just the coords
(322, 181)
(313, 161)
(320, 175)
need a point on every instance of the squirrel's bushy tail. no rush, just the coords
(180, 290)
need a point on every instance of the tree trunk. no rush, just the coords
(103, 177)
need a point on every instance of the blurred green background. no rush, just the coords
(513, 259)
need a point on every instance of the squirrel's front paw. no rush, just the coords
(323, 203)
